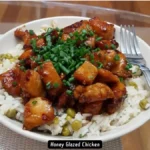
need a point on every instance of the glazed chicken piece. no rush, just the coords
(31, 84)
(107, 44)
(105, 76)
(116, 86)
(109, 61)
(86, 73)
(93, 93)
(38, 111)
(102, 28)
(111, 106)
(90, 42)
(25, 58)
(25, 37)
(106, 57)
(50, 78)
(119, 90)
(28, 59)
(78, 26)
(120, 67)
(65, 100)
(92, 108)
(10, 81)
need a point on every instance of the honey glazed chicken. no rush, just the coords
(76, 67)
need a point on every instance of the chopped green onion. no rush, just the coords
(113, 46)
(31, 32)
(56, 85)
(121, 79)
(98, 38)
(128, 66)
(34, 102)
(22, 68)
(117, 57)
(63, 68)
(69, 92)
(71, 79)
(48, 85)
(14, 83)
(106, 46)
(100, 65)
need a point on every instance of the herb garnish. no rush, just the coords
(14, 83)
(117, 57)
(34, 102)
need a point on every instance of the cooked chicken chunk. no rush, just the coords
(50, 78)
(111, 106)
(65, 100)
(106, 76)
(31, 84)
(102, 28)
(107, 44)
(92, 108)
(25, 37)
(120, 66)
(93, 93)
(86, 73)
(38, 111)
(10, 81)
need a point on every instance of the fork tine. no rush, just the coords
(126, 40)
(122, 49)
(136, 44)
(131, 40)
(129, 36)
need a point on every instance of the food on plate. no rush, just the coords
(71, 81)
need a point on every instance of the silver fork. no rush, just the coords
(130, 47)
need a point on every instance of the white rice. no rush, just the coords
(98, 124)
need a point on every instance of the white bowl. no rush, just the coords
(8, 41)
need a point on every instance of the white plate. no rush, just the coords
(8, 41)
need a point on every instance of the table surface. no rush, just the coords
(15, 13)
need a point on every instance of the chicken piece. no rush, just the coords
(78, 26)
(26, 54)
(65, 100)
(92, 108)
(93, 93)
(78, 91)
(10, 81)
(50, 76)
(107, 44)
(40, 42)
(90, 42)
(86, 73)
(62, 101)
(109, 61)
(31, 84)
(38, 111)
(106, 76)
(102, 28)
(25, 37)
(119, 90)
(106, 57)
(119, 68)
(25, 58)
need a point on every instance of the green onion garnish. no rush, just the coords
(69, 92)
(48, 85)
(31, 32)
(117, 57)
